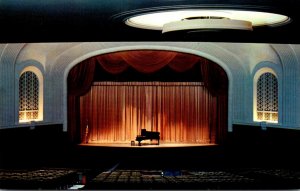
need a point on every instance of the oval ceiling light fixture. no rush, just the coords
(207, 23)
(174, 20)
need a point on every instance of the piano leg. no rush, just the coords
(140, 143)
(158, 141)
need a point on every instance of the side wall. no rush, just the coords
(240, 61)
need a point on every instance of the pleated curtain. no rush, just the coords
(187, 112)
(117, 111)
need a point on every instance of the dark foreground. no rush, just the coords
(252, 162)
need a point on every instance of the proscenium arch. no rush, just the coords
(144, 47)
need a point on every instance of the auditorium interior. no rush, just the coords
(150, 95)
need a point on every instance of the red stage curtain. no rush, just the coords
(216, 81)
(80, 79)
(112, 63)
(146, 61)
(182, 62)
(117, 111)
(108, 107)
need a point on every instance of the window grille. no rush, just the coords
(267, 98)
(28, 97)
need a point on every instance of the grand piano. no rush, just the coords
(145, 135)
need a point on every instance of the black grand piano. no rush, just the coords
(147, 135)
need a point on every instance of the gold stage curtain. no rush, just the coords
(115, 112)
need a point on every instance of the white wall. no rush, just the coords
(8, 58)
(240, 61)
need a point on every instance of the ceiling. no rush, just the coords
(103, 20)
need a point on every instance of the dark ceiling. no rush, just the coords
(102, 20)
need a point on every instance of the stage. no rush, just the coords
(149, 157)
(146, 145)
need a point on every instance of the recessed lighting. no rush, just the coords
(206, 18)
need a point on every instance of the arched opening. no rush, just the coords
(30, 95)
(265, 96)
(115, 95)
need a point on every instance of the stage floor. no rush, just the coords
(146, 145)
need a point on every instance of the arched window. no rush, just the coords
(29, 97)
(266, 98)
